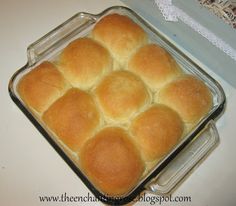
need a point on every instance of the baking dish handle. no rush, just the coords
(185, 161)
(52, 41)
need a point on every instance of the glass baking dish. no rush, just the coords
(192, 148)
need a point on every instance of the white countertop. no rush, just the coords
(30, 167)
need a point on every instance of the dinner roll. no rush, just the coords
(73, 118)
(156, 131)
(111, 161)
(120, 94)
(84, 61)
(154, 65)
(189, 96)
(42, 86)
(120, 35)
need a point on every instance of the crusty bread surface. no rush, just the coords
(120, 94)
(154, 65)
(156, 131)
(42, 86)
(189, 96)
(73, 118)
(84, 61)
(120, 35)
(112, 161)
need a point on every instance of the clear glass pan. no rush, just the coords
(173, 167)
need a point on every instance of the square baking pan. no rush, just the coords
(173, 167)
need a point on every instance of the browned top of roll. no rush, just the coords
(120, 94)
(120, 35)
(154, 65)
(73, 118)
(189, 96)
(156, 131)
(42, 86)
(111, 161)
(84, 61)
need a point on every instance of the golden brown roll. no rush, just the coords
(42, 86)
(120, 35)
(154, 65)
(73, 118)
(120, 94)
(111, 161)
(189, 96)
(156, 131)
(84, 61)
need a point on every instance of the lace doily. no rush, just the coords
(172, 13)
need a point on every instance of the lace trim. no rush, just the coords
(173, 13)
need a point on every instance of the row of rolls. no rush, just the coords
(117, 101)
